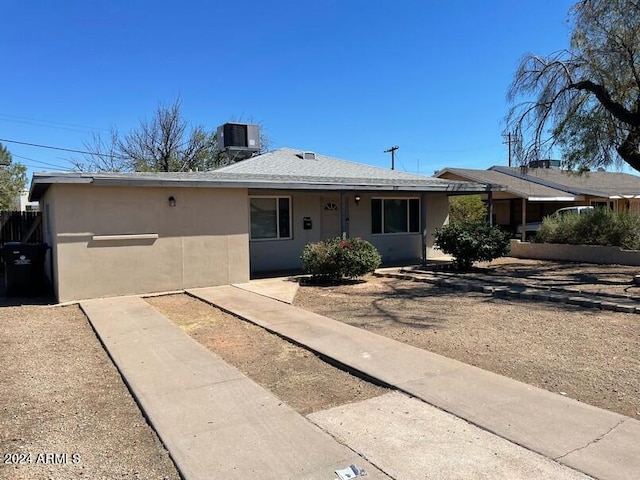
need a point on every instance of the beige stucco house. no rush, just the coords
(130, 233)
(530, 194)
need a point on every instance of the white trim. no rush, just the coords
(277, 237)
(551, 199)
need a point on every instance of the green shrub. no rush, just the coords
(601, 226)
(467, 209)
(336, 259)
(472, 242)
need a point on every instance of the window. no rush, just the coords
(270, 217)
(395, 215)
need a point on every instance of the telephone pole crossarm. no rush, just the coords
(392, 150)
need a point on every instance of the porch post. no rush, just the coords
(524, 219)
(490, 202)
(343, 216)
(423, 223)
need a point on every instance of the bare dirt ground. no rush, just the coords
(579, 277)
(590, 355)
(293, 374)
(64, 409)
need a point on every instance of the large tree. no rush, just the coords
(13, 179)
(166, 143)
(584, 99)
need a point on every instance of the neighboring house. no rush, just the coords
(532, 193)
(118, 233)
(23, 204)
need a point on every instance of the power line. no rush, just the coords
(40, 162)
(61, 149)
(43, 123)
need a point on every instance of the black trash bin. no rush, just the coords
(24, 268)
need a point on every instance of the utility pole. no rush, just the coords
(392, 150)
(508, 142)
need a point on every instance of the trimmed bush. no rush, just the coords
(601, 226)
(472, 242)
(336, 259)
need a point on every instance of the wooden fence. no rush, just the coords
(20, 227)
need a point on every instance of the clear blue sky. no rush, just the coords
(346, 78)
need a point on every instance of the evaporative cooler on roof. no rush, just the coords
(239, 140)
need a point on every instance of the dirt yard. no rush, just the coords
(590, 355)
(578, 277)
(64, 410)
(293, 374)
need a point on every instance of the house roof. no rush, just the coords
(284, 169)
(520, 187)
(598, 184)
(549, 184)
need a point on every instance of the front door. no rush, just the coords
(330, 217)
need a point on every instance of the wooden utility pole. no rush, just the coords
(508, 142)
(392, 150)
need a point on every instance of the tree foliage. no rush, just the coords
(166, 143)
(467, 209)
(13, 179)
(584, 99)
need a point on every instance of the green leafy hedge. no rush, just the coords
(336, 259)
(601, 226)
(472, 242)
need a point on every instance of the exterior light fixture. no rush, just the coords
(172, 201)
(357, 199)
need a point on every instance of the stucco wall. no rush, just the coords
(575, 253)
(202, 241)
(271, 255)
(284, 254)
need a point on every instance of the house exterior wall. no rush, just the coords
(110, 241)
(284, 254)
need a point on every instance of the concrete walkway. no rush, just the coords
(214, 421)
(600, 443)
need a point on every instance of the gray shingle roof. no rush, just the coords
(514, 185)
(281, 169)
(600, 184)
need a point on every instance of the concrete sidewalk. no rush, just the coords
(600, 443)
(214, 421)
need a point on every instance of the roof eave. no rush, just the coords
(41, 183)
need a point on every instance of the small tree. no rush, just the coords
(13, 179)
(472, 242)
(467, 209)
(335, 259)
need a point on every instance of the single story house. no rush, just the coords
(532, 193)
(130, 233)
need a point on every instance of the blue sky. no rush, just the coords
(346, 78)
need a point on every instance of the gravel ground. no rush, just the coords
(589, 355)
(292, 373)
(65, 411)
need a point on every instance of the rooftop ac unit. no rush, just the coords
(239, 136)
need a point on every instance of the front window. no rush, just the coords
(395, 215)
(270, 217)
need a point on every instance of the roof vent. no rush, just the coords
(308, 155)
